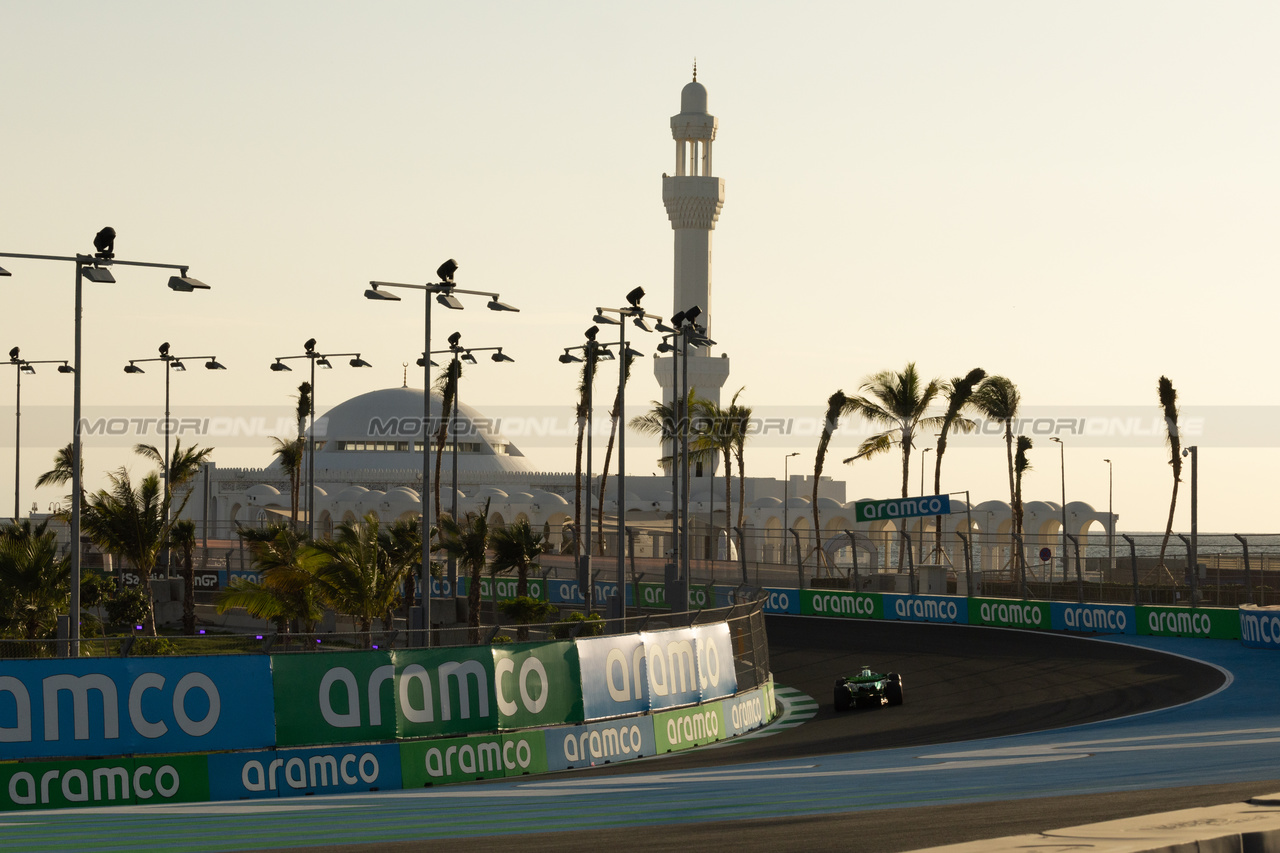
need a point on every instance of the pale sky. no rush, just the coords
(1080, 196)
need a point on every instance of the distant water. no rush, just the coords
(1148, 544)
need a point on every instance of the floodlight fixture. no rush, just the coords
(604, 319)
(310, 345)
(105, 242)
(665, 347)
(213, 364)
(641, 324)
(133, 368)
(634, 297)
(177, 365)
(27, 367)
(4, 271)
(468, 357)
(499, 356)
(66, 368)
(382, 295)
(568, 358)
(605, 355)
(448, 300)
(446, 270)
(324, 362)
(101, 275)
(495, 305)
(663, 327)
(185, 283)
(691, 315)
(164, 349)
(360, 362)
(421, 360)
(13, 354)
(677, 319)
(454, 338)
(280, 365)
(592, 332)
(633, 353)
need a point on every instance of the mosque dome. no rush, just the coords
(693, 98)
(382, 430)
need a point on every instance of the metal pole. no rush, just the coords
(1062, 457)
(684, 463)
(17, 442)
(589, 594)
(853, 545)
(1194, 551)
(1248, 576)
(168, 493)
(453, 432)
(311, 458)
(1133, 564)
(786, 498)
(424, 574)
(1111, 520)
(622, 477)
(74, 633)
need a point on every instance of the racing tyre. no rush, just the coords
(893, 690)
(842, 700)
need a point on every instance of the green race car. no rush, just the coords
(868, 689)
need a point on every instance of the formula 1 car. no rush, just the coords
(868, 689)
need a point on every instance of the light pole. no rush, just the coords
(1194, 452)
(638, 316)
(24, 366)
(922, 453)
(95, 269)
(1111, 520)
(316, 358)
(444, 291)
(1062, 461)
(459, 354)
(171, 363)
(786, 499)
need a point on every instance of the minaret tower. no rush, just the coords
(693, 199)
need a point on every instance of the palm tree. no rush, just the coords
(129, 521)
(290, 452)
(357, 576)
(1169, 403)
(586, 379)
(740, 422)
(959, 393)
(897, 401)
(715, 437)
(467, 541)
(447, 385)
(615, 418)
(182, 535)
(33, 578)
(998, 399)
(1020, 466)
(288, 591)
(517, 547)
(60, 473)
(403, 543)
(184, 463)
(835, 405)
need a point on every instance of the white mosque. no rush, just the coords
(368, 457)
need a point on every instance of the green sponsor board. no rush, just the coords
(465, 759)
(76, 784)
(1010, 613)
(333, 698)
(507, 588)
(654, 595)
(902, 508)
(1212, 622)
(351, 697)
(537, 684)
(688, 727)
(834, 602)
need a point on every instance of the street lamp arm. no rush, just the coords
(439, 287)
(101, 262)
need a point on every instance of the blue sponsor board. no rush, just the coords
(136, 706)
(782, 601)
(744, 713)
(300, 772)
(1260, 627)
(1093, 618)
(615, 675)
(926, 608)
(594, 744)
(440, 588)
(560, 591)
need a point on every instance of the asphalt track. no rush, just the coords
(801, 788)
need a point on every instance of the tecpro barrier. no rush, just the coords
(1260, 626)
